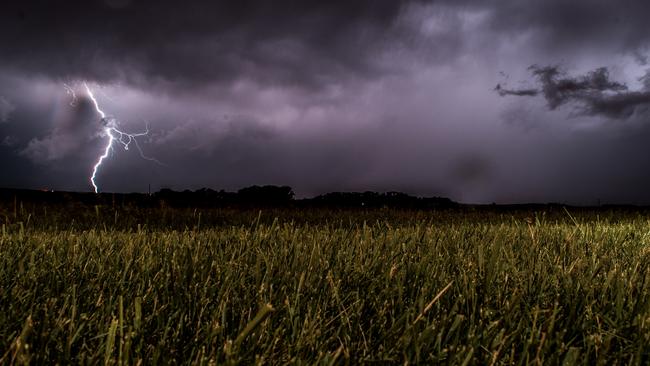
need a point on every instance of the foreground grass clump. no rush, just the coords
(453, 288)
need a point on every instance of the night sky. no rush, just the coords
(479, 101)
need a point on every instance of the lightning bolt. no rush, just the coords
(72, 94)
(115, 135)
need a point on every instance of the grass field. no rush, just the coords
(93, 285)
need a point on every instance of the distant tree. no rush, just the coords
(265, 195)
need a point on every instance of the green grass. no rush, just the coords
(123, 286)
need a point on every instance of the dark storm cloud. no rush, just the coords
(559, 89)
(571, 26)
(302, 42)
(594, 94)
(308, 43)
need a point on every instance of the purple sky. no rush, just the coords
(425, 97)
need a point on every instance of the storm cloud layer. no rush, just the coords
(332, 95)
(308, 43)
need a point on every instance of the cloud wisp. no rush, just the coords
(592, 94)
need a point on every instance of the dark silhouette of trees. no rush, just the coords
(249, 197)
(378, 200)
(266, 195)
